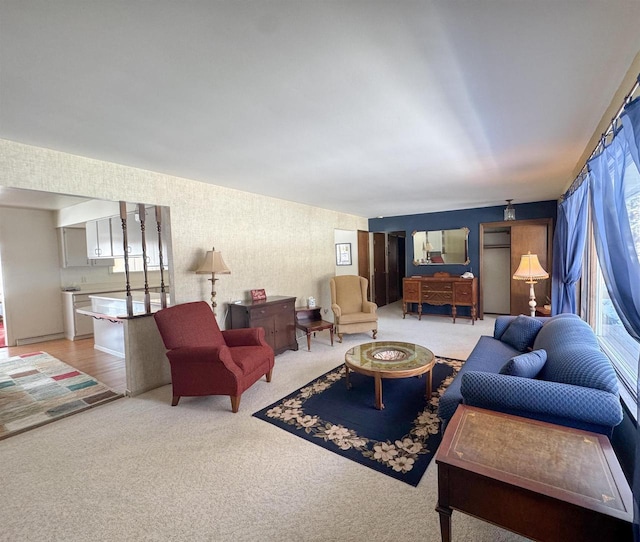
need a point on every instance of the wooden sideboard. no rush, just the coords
(276, 315)
(440, 290)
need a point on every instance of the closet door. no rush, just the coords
(530, 236)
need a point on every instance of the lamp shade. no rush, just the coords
(530, 269)
(213, 263)
(428, 247)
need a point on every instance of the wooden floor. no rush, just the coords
(81, 355)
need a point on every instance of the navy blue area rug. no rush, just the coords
(399, 440)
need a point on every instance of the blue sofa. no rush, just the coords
(576, 386)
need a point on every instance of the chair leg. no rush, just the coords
(235, 402)
(268, 375)
(339, 337)
(175, 400)
(375, 332)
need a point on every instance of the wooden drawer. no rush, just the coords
(464, 293)
(264, 312)
(411, 291)
(436, 287)
(437, 297)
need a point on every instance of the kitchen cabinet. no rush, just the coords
(76, 326)
(276, 315)
(99, 238)
(73, 249)
(134, 238)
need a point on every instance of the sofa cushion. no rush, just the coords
(526, 365)
(521, 332)
(574, 355)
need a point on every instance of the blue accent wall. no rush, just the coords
(447, 220)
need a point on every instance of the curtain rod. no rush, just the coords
(610, 130)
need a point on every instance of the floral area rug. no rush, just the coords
(399, 440)
(37, 388)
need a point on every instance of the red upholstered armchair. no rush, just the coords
(207, 361)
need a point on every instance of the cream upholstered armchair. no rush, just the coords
(351, 311)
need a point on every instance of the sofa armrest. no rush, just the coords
(203, 360)
(513, 393)
(246, 336)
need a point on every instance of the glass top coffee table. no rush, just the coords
(389, 359)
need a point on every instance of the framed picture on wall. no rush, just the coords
(343, 253)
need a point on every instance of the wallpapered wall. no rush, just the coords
(283, 247)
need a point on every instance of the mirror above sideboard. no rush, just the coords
(441, 247)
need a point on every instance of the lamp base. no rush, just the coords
(213, 294)
(532, 298)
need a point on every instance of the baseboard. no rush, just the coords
(42, 338)
(108, 351)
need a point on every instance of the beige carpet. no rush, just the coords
(139, 469)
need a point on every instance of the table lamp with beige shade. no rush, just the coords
(212, 264)
(531, 272)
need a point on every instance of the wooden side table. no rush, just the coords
(543, 481)
(310, 321)
(543, 311)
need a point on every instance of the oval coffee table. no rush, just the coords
(389, 359)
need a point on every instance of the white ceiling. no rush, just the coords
(367, 107)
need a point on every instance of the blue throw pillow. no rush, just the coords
(525, 365)
(522, 332)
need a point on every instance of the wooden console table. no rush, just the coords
(276, 315)
(543, 481)
(440, 289)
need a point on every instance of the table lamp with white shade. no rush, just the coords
(531, 272)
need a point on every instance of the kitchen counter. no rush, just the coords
(108, 311)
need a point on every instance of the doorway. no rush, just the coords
(496, 266)
(396, 251)
(389, 254)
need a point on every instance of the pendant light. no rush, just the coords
(509, 211)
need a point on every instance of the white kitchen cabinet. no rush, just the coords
(99, 238)
(76, 326)
(73, 247)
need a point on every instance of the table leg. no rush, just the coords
(378, 386)
(445, 522)
(309, 341)
(346, 377)
(331, 334)
(429, 384)
(453, 313)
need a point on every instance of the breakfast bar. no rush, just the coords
(109, 312)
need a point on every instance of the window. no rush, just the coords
(622, 349)
(599, 311)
